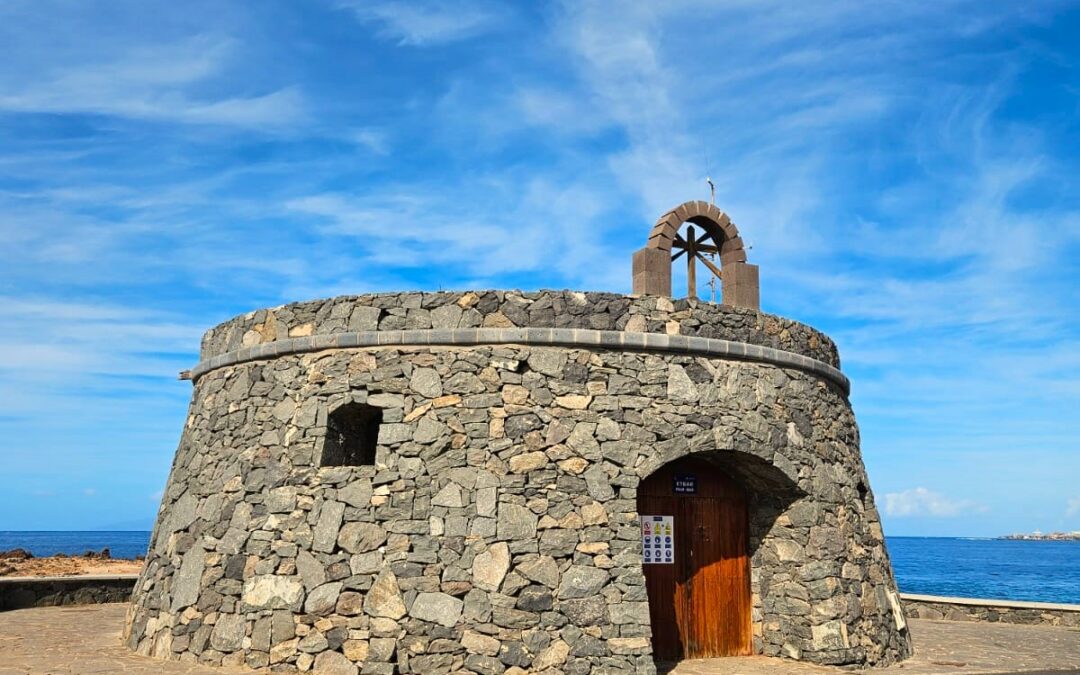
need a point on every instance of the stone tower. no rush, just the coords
(442, 482)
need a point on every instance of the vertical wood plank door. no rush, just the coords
(699, 605)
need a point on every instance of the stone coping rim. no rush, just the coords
(548, 337)
(69, 578)
(989, 602)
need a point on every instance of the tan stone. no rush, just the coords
(283, 651)
(477, 643)
(468, 300)
(446, 401)
(635, 645)
(355, 650)
(417, 413)
(362, 362)
(303, 330)
(515, 394)
(574, 465)
(593, 547)
(571, 521)
(554, 656)
(490, 567)
(384, 599)
(573, 401)
(497, 320)
(594, 514)
(636, 324)
(527, 462)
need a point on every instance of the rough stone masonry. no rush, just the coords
(496, 530)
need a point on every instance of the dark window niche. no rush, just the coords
(352, 432)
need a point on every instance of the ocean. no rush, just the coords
(1043, 571)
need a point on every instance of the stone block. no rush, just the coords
(652, 272)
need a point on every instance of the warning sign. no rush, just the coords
(658, 540)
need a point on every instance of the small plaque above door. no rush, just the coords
(685, 484)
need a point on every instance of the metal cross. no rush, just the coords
(695, 249)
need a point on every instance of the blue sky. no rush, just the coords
(905, 175)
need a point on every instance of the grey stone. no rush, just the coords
(366, 563)
(281, 500)
(334, 663)
(630, 613)
(679, 385)
(830, 635)
(543, 570)
(357, 494)
(322, 600)
(580, 581)
(326, 530)
(188, 580)
(390, 434)
(586, 611)
(535, 599)
(361, 537)
(429, 430)
(426, 382)
(282, 627)
(446, 317)
(516, 522)
(182, 513)
(439, 608)
(228, 634)
(548, 362)
(449, 496)
(311, 570)
(364, 318)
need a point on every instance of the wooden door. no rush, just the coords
(699, 604)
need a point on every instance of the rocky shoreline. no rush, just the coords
(21, 563)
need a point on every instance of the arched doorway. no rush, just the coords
(697, 568)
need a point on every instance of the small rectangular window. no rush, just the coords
(352, 433)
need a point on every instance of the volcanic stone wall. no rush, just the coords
(508, 309)
(497, 530)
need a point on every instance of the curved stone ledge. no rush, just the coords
(557, 337)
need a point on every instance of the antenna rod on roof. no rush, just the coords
(712, 190)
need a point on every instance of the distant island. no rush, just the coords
(1049, 536)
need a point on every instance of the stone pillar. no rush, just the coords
(739, 285)
(652, 272)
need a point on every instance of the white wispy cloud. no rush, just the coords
(922, 502)
(159, 82)
(1073, 507)
(425, 23)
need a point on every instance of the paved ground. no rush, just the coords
(85, 640)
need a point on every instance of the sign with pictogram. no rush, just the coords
(658, 540)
